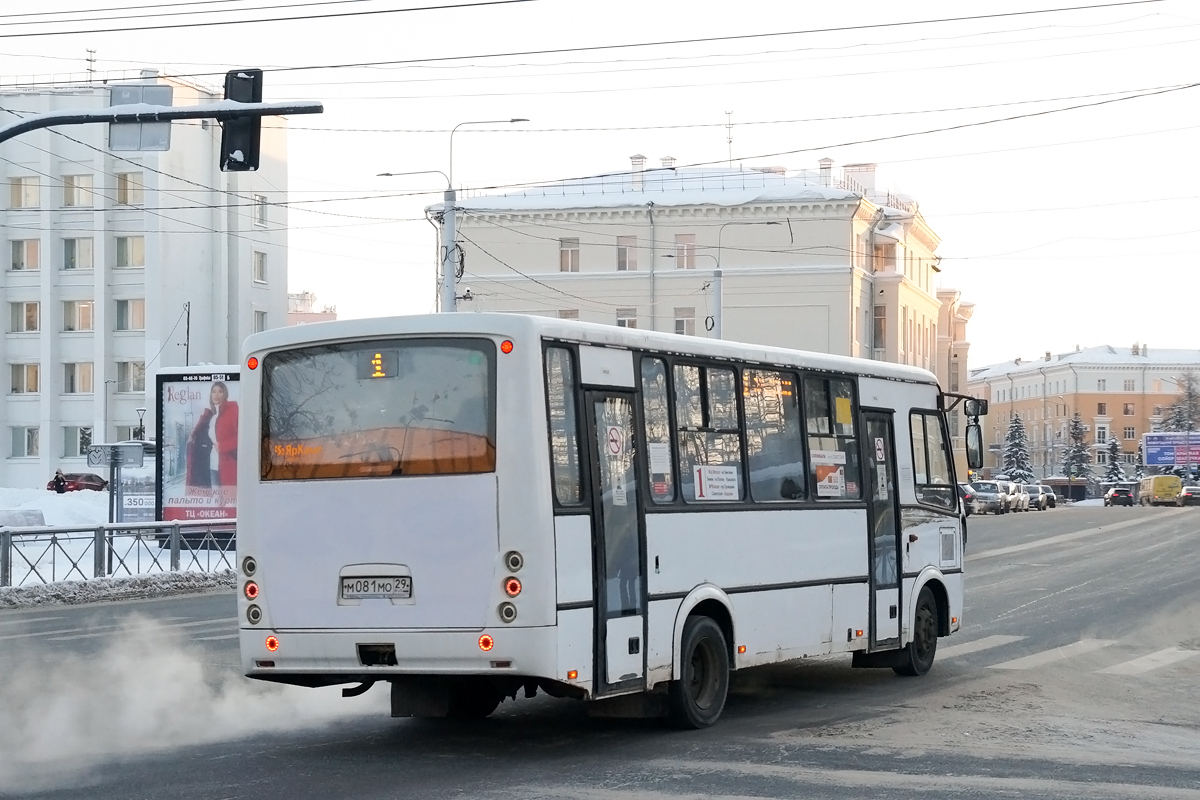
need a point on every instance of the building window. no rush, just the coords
(77, 253)
(77, 315)
(131, 315)
(1101, 385)
(1101, 458)
(25, 378)
(260, 210)
(1102, 409)
(879, 339)
(76, 440)
(131, 376)
(125, 433)
(1156, 386)
(1101, 434)
(24, 193)
(131, 251)
(77, 190)
(25, 254)
(260, 321)
(1130, 433)
(26, 317)
(25, 442)
(568, 313)
(1129, 458)
(260, 267)
(1129, 386)
(129, 189)
(77, 378)
(568, 255)
(685, 251)
(685, 321)
(626, 253)
(626, 317)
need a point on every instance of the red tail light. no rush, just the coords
(272, 643)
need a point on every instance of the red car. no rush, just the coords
(77, 481)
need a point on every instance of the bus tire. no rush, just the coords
(472, 699)
(698, 697)
(917, 656)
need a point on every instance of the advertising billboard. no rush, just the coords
(1171, 449)
(197, 442)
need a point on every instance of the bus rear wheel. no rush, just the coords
(698, 697)
(917, 655)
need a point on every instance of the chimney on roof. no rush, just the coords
(1137, 350)
(1077, 350)
(668, 162)
(1145, 349)
(826, 171)
(637, 176)
(1017, 361)
(1047, 355)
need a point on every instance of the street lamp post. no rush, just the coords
(718, 276)
(107, 383)
(716, 287)
(140, 432)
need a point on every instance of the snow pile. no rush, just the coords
(148, 690)
(161, 584)
(69, 508)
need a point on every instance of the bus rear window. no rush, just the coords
(379, 409)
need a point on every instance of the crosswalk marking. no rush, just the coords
(1057, 654)
(986, 643)
(1162, 658)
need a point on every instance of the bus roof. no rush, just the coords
(529, 326)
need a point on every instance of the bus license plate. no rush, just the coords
(377, 588)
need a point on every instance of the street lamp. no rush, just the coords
(108, 382)
(140, 432)
(715, 317)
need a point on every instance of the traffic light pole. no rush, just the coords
(141, 112)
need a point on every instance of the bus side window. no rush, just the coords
(710, 435)
(931, 461)
(564, 426)
(774, 441)
(832, 438)
(656, 414)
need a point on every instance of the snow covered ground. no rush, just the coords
(70, 508)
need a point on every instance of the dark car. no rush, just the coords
(1117, 496)
(77, 481)
(1188, 496)
(968, 498)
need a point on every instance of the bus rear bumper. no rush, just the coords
(321, 657)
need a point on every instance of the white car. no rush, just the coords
(991, 496)
(1018, 498)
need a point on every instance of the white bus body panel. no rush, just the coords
(605, 366)
(573, 558)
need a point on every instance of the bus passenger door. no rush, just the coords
(620, 573)
(884, 536)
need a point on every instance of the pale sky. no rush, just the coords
(1065, 228)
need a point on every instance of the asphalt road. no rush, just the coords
(1076, 675)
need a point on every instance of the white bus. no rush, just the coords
(470, 505)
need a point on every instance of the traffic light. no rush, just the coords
(239, 137)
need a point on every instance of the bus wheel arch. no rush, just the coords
(941, 598)
(703, 601)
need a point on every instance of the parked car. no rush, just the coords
(77, 481)
(1018, 498)
(991, 496)
(967, 495)
(1118, 496)
(1188, 496)
(1051, 497)
(1037, 500)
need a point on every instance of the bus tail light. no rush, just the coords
(272, 644)
(506, 346)
(508, 612)
(486, 642)
(512, 587)
(251, 590)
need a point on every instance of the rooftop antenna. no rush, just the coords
(91, 64)
(729, 135)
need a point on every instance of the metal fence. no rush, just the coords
(30, 556)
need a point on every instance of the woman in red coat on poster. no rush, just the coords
(212, 447)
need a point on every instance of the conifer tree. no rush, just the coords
(1139, 470)
(1076, 461)
(1114, 473)
(1016, 453)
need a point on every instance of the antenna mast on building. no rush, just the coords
(91, 65)
(729, 135)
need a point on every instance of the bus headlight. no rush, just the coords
(508, 612)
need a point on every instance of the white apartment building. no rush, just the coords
(121, 263)
(1118, 392)
(810, 260)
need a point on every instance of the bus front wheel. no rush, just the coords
(698, 697)
(917, 655)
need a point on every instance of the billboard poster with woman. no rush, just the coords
(197, 440)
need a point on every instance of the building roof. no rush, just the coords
(1101, 356)
(663, 187)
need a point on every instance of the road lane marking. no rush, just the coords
(1070, 537)
(986, 643)
(215, 638)
(28, 619)
(1057, 654)
(203, 622)
(1162, 658)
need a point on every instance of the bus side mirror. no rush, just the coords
(974, 407)
(974, 446)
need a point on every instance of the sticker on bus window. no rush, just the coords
(841, 407)
(660, 457)
(716, 483)
(618, 495)
(828, 457)
(831, 480)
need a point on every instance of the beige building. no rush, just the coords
(1119, 392)
(810, 260)
(951, 367)
(302, 309)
